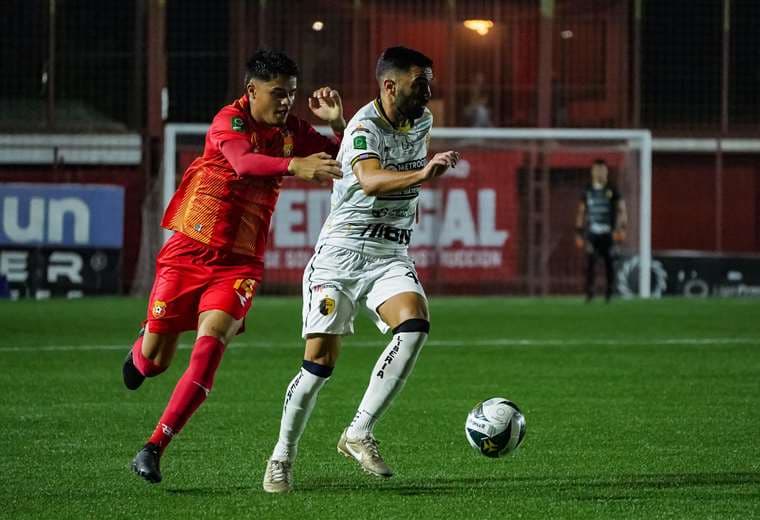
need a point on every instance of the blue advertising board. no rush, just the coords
(78, 216)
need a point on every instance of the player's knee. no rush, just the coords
(322, 349)
(413, 325)
(318, 369)
(223, 335)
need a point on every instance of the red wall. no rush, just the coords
(684, 203)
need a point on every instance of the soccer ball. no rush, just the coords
(495, 427)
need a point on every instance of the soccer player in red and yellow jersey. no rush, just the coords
(207, 273)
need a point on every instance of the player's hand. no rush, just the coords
(326, 104)
(579, 242)
(440, 163)
(618, 235)
(319, 167)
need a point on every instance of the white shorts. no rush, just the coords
(338, 281)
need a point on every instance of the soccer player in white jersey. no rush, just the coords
(361, 261)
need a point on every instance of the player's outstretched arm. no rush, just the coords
(319, 167)
(377, 181)
(248, 163)
(326, 104)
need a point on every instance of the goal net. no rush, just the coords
(502, 222)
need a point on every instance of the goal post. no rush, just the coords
(639, 140)
(481, 228)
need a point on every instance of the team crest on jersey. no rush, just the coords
(158, 310)
(326, 306)
(360, 142)
(238, 124)
(244, 289)
(287, 146)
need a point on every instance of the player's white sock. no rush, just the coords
(300, 398)
(389, 375)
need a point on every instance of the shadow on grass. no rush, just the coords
(622, 487)
(207, 491)
(581, 487)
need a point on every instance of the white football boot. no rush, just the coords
(365, 452)
(278, 477)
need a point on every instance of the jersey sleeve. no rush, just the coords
(246, 163)
(229, 134)
(228, 125)
(616, 196)
(362, 141)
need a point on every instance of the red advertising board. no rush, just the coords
(467, 229)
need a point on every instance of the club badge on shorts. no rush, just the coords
(326, 306)
(158, 310)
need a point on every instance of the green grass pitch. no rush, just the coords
(634, 410)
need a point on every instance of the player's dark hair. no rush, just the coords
(401, 59)
(599, 162)
(266, 65)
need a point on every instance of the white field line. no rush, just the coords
(496, 342)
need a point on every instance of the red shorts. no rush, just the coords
(192, 278)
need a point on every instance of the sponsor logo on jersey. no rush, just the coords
(410, 193)
(158, 310)
(392, 212)
(326, 306)
(416, 164)
(238, 124)
(385, 232)
(360, 142)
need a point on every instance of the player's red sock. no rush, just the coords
(146, 367)
(191, 390)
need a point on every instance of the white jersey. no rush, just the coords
(376, 225)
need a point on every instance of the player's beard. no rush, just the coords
(410, 107)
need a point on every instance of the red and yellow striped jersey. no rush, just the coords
(222, 209)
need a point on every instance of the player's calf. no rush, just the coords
(131, 375)
(136, 366)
